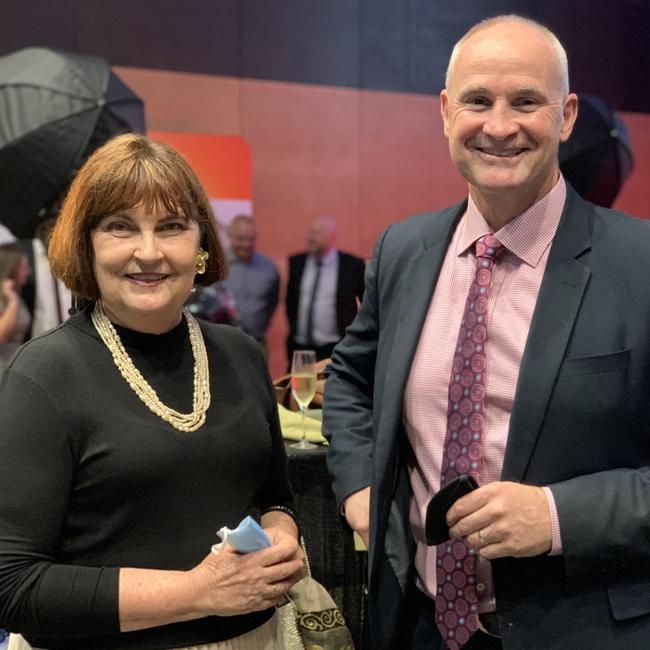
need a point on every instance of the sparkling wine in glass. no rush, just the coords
(303, 387)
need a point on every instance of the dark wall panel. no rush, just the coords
(595, 42)
(406, 45)
(195, 35)
(315, 41)
(635, 73)
(38, 23)
(395, 45)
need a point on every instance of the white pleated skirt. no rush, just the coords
(264, 637)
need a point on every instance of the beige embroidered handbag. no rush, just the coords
(310, 619)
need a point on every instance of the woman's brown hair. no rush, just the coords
(128, 171)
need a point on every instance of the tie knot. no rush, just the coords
(488, 246)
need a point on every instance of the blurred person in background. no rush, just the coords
(47, 298)
(14, 315)
(252, 279)
(248, 296)
(323, 292)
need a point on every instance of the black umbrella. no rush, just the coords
(56, 108)
(597, 159)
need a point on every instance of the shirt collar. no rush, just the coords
(528, 235)
(232, 258)
(326, 260)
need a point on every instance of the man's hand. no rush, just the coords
(357, 512)
(503, 519)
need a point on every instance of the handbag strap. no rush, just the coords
(306, 557)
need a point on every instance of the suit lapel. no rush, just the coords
(296, 270)
(416, 289)
(563, 286)
(301, 260)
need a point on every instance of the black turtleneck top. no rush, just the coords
(91, 480)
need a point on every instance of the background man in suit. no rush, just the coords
(323, 291)
(505, 337)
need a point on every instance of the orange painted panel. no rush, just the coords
(179, 101)
(222, 162)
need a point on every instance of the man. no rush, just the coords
(249, 295)
(324, 289)
(536, 384)
(252, 279)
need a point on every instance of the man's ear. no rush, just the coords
(444, 111)
(569, 115)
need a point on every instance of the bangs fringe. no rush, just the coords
(139, 183)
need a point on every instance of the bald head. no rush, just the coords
(322, 236)
(242, 235)
(513, 24)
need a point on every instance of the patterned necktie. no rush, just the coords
(456, 598)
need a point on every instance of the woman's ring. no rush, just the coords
(277, 590)
(481, 537)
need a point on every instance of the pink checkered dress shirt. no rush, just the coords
(515, 284)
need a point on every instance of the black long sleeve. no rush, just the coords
(92, 480)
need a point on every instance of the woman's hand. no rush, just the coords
(280, 535)
(228, 583)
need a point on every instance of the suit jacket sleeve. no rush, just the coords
(604, 520)
(348, 407)
(594, 438)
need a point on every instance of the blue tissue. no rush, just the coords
(246, 538)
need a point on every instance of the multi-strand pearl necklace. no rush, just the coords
(201, 398)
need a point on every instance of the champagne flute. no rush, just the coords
(303, 387)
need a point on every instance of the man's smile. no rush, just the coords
(511, 152)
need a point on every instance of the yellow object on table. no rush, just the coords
(359, 544)
(291, 424)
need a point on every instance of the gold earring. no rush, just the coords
(201, 257)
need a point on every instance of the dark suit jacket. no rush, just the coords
(349, 288)
(580, 424)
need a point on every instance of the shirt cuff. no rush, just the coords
(556, 539)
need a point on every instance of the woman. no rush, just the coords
(14, 315)
(132, 433)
